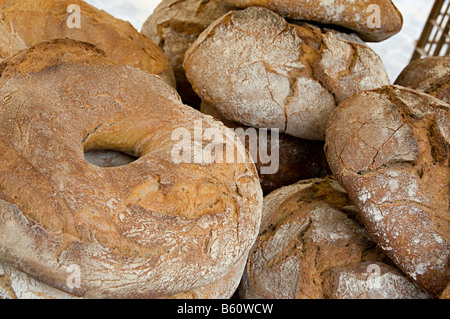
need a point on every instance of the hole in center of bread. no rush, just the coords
(108, 158)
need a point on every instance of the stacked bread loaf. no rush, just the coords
(251, 148)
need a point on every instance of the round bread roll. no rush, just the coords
(42, 20)
(430, 75)
(10, 42)
(258, 70)
(389, 148)
(174, 26)
(374, 20)
(153, 228)
(297, 159)
(312, 246)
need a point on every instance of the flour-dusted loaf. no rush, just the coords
(174, 25)
(153, 228)
(42, 20)
(258, 70)
(389, 148)
(374, 20)
(430, 75)
(311, 245)
(280, 159)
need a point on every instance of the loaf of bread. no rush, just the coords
(311, 245)
(389, 148)
(153, 228)
(430, 75)
(374, 20)
(174, 25)
(258, 70)
(35, 21)
(280, 159)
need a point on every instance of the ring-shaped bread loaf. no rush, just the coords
(153, 228)
(374, 20)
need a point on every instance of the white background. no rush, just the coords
(396, 52)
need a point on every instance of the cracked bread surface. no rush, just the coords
(37, 21)
(258, 70)
(149, 229)
(312, 245)
(429, 75)
(389, 148)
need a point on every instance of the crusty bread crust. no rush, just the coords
(298, 159)
(357, 16)
(311, 245)
(258, 70)
(10, 42)
(174, 25)
(43, 20)
(430, 75)
(149, 229)
(389, 148)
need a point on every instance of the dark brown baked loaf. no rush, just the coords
(297, 159)
(258, 70)
(42, 20)
(312, 245)
(369, 280)
(151, 229)
(374, 20)
(389, 148)
(430, 75)
(174, 25)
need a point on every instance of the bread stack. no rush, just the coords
(356, 208)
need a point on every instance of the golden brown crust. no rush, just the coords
(42, 20)
(174, 25)
(310, 245)
(149, 229)
(389, 148)
(357, 15)
(430, 75)
(258, 70)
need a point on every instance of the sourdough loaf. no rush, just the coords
(374, 20)
(311, 245)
